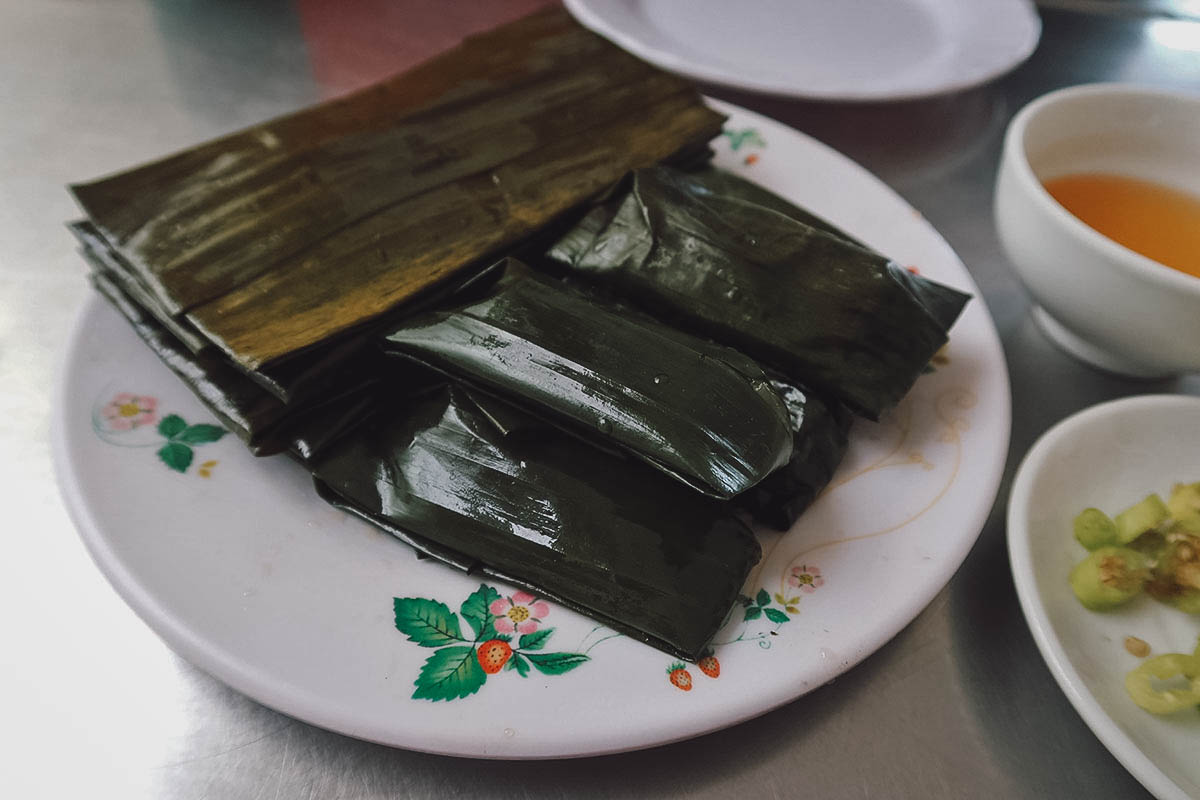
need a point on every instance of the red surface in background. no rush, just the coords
(353, 43)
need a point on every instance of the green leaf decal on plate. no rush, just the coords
(475, 609)
(176, 456)
(453, 670)
(449, 673)
(172, 425)
(556, 663)
(749, 136)
(535, 640)
(200, 434)
(427, 622)
(763, 598)
(753, 612)
(775, 615)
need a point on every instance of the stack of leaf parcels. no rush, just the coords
(350, 284)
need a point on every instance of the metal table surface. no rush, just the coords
(94, 705)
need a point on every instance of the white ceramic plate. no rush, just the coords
(864, 50)
(240, 568)
(1109, 456)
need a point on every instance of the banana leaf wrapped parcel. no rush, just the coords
(283, 237)
(530, 504)
(720, 257)
(702, 413)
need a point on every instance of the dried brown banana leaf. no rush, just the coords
(278, 238)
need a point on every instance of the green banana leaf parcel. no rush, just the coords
(723, 258)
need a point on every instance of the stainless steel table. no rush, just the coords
(958, 705)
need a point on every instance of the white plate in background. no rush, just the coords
(862, 50)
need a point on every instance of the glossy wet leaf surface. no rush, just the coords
(598, 532)
(703, 413)
(707, 251)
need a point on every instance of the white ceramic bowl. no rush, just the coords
(1109, 456)
(1101, 301)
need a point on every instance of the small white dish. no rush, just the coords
(860, 50)
(1109, 456)
(243, 570)
(1100, 301)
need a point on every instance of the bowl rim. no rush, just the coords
(1014, 153)
(1017, 534)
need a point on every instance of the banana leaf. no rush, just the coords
(304, 380)
(103, 259)
(605, 535)
(261, 420)
(820, 434)
(710, 180)
(702, 413)
(246, 409)
(274, 240)
(707, 251)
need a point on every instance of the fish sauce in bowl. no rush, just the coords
(1150, 218)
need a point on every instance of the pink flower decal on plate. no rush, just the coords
(520, 613)
(133, 420)
(806, 577)
(128, 411)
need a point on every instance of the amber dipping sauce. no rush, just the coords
(1157, 221)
